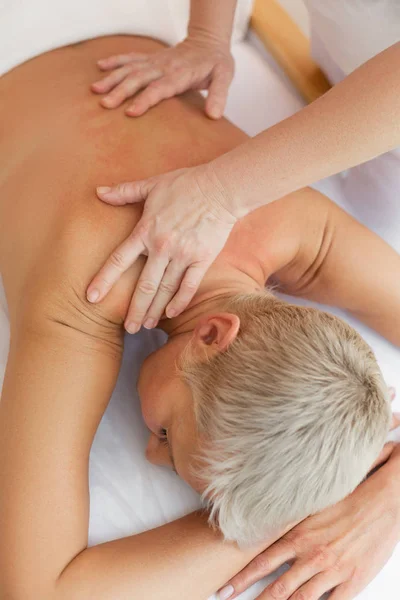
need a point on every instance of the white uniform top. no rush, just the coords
(347, 33)
(31, 27)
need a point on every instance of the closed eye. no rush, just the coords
(163, 437)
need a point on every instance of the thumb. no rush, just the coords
(218, 92)
(126, 193)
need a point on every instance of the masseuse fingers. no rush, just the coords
(129, 86)
(218, 91)
(264, 564)
(188, 288)
(111, 62)
(126, 193)
(286, 585)
(345, 591)
(119, 262)
(110, 81)
(160, 89)
(312, 590)
(167, 288)
(146, 289)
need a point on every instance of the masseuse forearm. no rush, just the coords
(354, 122)
(212, 19)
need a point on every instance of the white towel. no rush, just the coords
(29, 28)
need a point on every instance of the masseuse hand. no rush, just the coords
(184, 226)
(198, 63)
(342, 548)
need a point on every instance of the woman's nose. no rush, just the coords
(157, 452)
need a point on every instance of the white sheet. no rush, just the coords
(128, 495)
(28, 28)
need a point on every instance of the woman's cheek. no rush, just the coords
(150, 412)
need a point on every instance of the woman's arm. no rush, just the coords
(315, 250)
(185, 558)
(352, 123)
(63, 364)
(355, 121)
(359, 272)
(212, 19)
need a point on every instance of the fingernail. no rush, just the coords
(132, 327)
(171, 312)
(107, 102)
(215, 113)
(103, 190)
(149, 323)
(93, 295)
(226, 592)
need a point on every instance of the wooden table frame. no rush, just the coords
(290, 48)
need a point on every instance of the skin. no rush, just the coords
(65, 353)
(339, 549)
(202, 61)
(330, 135)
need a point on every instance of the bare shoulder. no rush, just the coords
(339, 262)
(288, 234)
(54, 286)
(312, 225)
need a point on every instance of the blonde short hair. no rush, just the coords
(293, 415)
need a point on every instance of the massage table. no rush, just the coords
(275, 76)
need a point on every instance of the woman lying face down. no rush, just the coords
(272, 411)
(236, 362)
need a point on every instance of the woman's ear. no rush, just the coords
(215, 333)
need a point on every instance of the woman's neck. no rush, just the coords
(222, 282)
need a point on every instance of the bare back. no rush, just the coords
(57, 145)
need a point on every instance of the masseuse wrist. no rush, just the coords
(208, 38)
(211, 21)
(216, 195)
(228, 190)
